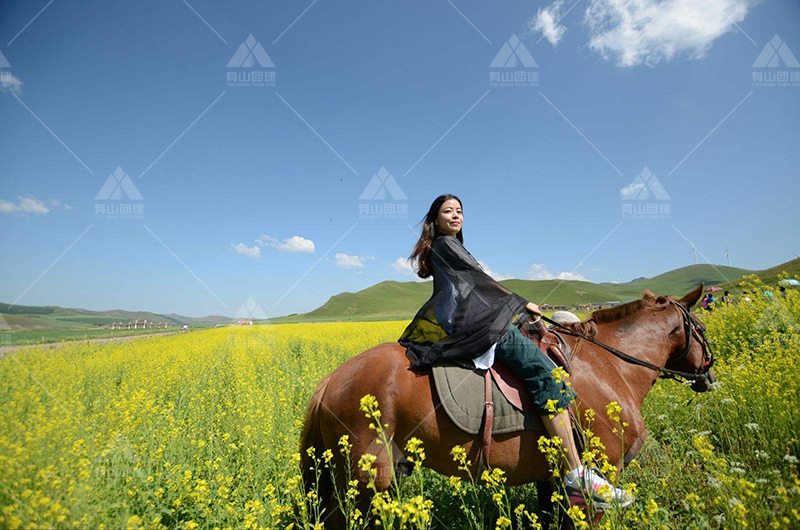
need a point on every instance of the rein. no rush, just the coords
(692, 331)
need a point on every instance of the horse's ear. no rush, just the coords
(690, 299)
(648, 294)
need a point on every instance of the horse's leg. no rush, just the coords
(333, 516)
(544, 498)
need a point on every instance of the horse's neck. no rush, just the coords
(639, 342)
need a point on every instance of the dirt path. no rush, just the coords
(53, 345)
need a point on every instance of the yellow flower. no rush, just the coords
(503, 522)
(578, 517)
(344, 444)
(366, 461)
(134, 521)
(559, 374)
(612, 411)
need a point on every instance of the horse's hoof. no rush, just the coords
(404, 469)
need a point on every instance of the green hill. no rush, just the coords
(20, 317)
(400, 300)
(770, 276)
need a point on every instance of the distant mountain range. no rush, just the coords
(400, 300)
(20, 317)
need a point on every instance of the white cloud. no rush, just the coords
(496, 275)
(27, 204)
(55, 203)
(572, 276)
(631, 190)
(293, 244)
(251, 252)
(347, 261)
(546, 21)
(647, 32)
(635, 32)
(10, 83)
(403, 267)
(539, 271)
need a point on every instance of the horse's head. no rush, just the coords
(691, 351)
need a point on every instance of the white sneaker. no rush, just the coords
(589, 483)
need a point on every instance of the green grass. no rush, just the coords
(45, 336)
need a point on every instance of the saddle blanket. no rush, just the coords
(462, 394)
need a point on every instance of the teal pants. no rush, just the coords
(527, 361)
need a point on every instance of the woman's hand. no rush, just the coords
(533, 309)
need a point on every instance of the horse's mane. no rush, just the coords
(588, 328)
(610, 314)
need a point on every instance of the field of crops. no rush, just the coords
(201, 431)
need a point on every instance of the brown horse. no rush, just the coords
(650, 329)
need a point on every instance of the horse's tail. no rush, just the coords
(311, 437)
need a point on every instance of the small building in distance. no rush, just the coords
(245, 322)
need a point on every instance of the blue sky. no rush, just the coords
(256, 190)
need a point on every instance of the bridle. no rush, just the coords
(692, 330)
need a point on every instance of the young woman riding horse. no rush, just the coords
(471, 319)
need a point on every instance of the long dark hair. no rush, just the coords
(422, 250)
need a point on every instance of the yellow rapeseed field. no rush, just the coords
(201, 430)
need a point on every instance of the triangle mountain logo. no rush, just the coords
(643, 186)
(117, 184)
(250, 52)
(250, 310)
(381, 186)
(777, 316)
(775, 52)
(3, 324)
(511, 54)
(3, 61)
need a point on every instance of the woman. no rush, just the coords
(471, 319)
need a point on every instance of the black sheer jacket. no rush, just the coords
(467, 313)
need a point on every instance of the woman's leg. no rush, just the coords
(561, 426)
(528, 362)
(525, 359)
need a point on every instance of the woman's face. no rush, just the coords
(450, 219)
